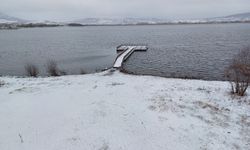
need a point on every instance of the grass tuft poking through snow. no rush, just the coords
(111, 111)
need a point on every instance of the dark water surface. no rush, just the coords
(198, 51)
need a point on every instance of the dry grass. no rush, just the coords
(53, 69)
(31, 70)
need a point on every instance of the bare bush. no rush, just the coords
(31, 70)
(238, 73)
(62, 72)
(83, 72)
(52, 68)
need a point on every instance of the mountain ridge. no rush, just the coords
(4, 18)
(241, 17)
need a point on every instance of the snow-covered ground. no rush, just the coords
(115, 111)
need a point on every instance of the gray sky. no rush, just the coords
(76, 9)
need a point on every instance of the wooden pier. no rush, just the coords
(125, 52)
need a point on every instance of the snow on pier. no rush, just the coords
(126, 51)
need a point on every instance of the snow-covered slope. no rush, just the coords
(8, 19)
(115, 111)
(240, 16)
(245, 17)
(109, 21)
(123, 21)
(232, 18)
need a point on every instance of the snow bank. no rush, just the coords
(111, 111)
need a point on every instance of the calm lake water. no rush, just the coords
(197, 51)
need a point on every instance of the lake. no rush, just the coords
(193, 51)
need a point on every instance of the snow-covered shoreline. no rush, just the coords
(111, 111)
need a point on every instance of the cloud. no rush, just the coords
(74, 9)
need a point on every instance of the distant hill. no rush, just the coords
(9, 19)
(243, 17)
(121, 21)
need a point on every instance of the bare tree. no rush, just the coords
(238, 73)
(52, 68)
(31, 70)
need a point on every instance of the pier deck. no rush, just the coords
(126, 51)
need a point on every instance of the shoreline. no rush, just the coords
(121, 71)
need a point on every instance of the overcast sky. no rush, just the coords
(76, 9)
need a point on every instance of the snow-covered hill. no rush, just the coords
(9, 19)
(245, 17)
(122, 21)
(240, 16)
(232, 18)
